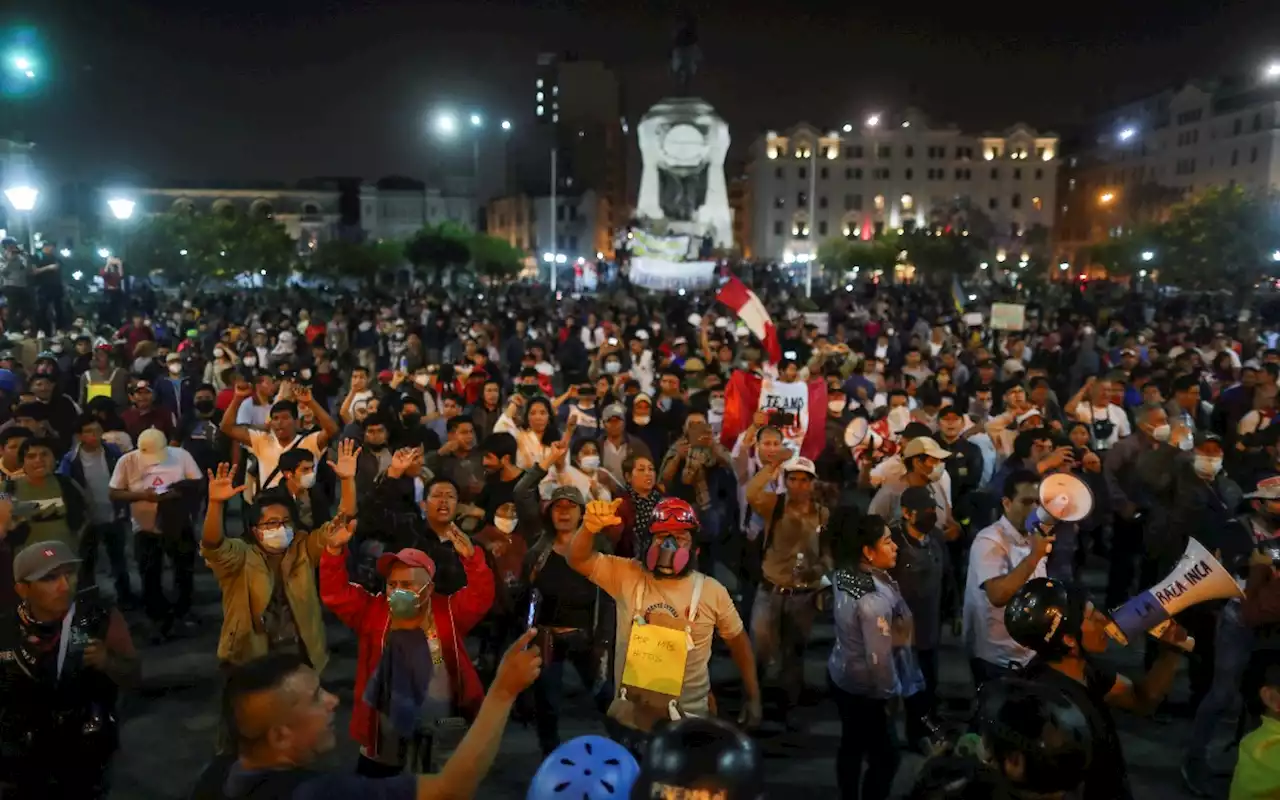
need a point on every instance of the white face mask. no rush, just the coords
(250, 361)
(1208, 466)
(1161, 433)
(1187, 443)
(307, 481)
(219, 353)
(613, 367)
(836, 406)
(175, 368)
(935, 474)
(641, 420)
(421, 381)
(717, 405)
(365, 326)
(278, 538)
(589, 463)
(882, 350)
(505, 524)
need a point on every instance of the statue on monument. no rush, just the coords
(685, 54)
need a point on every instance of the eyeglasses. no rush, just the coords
(272, 523)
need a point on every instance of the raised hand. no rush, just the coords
(339, 534)
(601, 514)
(220, 488)
(401, 461)
(345, 466)
(244, 390)
(302, 394)
(460, 541)
(519, 668)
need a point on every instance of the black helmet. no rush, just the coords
(702, 753)
(1041, 723)
(1041, 612)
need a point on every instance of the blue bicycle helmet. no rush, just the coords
(586, 768)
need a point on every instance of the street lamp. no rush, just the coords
(65, 252)
(1272, 71)
(446, 124)
(1147, 255)
(1106, 197)
(1275, 256)
(104, 252)
(121, 207)
(873, 120)
(476, 121)
(1126, 134)
(506, 124)
(23, 199)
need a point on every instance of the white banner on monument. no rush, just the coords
(661, 275)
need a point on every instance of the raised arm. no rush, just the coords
(229, 428)
(220, 491)
(348, 601)
(345, 469)
(1000, 589)
(328, 428)
(582, 553)
(761, 499)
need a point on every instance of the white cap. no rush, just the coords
(799, 464)
(152, 446)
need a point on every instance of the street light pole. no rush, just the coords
(553, 216)
(813, 218)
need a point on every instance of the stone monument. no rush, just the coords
(683, 143)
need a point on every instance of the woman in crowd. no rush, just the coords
(536, 434)
(584, 473)
(639, 497)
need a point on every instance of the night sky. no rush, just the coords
(152, 90)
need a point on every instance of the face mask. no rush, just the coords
(882, 350)
(421, 381)
(836, 406)
(613, 367)
(717, 405)
(250, 361)
(175, 369)
(307, 481)
(1208, 466)
(937, 471)
(667, 558)
(591, 463)
(1161, 433)
(56, 349)
(411, 420)
(277, 538)
(641, 420)
(219, 353)
(403, 603)
(1187, 443)
(927, 519)
(204, 406)
(365, 326)
(305, 374)
(505, 524)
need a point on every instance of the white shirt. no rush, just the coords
(1086, 413)
(266, 448)
(253, 414)
(134, 475)
(996, 550)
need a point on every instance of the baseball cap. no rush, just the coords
(799, 464)
(918, 498)
(694, 365)
(1267, 489)
(641, 398)
(569, 493)
(613, 410)
(924, 446)
(385, 376)
(36, 561)
(409, 557)
(172, 357)
(679, 340)
(152, 446)
(1032, 414)
(140, 384)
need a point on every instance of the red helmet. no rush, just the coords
(672, 514)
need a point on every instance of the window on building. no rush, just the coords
(992, 203)
(777, 228)
(848, 173)
(857, 151)
(802, 174)
(573, 244)
(1017, 174)
(1040, 154)
(802, 199)
(1257, 121)
(857, 202)
(884, 151)
(778, 173)
(824, 173)
(780, 202)
(908, 202)
(1037, 203)
(559, 213)
(908, 174)
(1235, 156)
(848, 202)
(1015, 230)
(882, 174)
(879, 202)
(822, 201)
(822, 227)
(995, 174)
(1237, 125)
(857, 173)
(848, 152)
(911, 151)
(1015, 201)
(1253, 155)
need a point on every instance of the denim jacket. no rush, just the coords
(866, 660)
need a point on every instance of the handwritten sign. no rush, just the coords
(655, 659)
(787, 406)
(1008, 316)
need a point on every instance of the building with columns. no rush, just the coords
(808, 184)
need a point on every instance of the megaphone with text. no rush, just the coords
(1196, 577)
(1063, 498)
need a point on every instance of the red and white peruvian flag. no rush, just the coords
(743, 302)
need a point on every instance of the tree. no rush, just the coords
(437, 248)
(191, 248)
(495, 258)
(360, 261)
(839, 255)
(941, 258)
(1222, 239)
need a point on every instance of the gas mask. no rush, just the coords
(667, 558)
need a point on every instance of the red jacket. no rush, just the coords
(370, 617)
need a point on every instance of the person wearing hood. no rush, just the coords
(641, 425)
(61, 412)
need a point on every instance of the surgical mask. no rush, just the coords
(1187, 443)
(899, 418)
(421, 381)
(1208, 466)
(250, 361)
(403, 603)
(836, 406)
(307, 481)
(591, 463)
(277, 538)
(175, 368)
(365, 326)
(505, 524)
(641, 420)
(56, 349)
(935, 474)
(1161, 433)
(717, 405)
(613, 367)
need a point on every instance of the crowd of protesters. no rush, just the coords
(440, 471)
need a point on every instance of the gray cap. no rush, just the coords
(569, 493)
(37, 560)
(613, 410)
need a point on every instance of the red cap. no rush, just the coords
(409, 557)
(385, 376)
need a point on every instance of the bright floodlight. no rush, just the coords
(447, 124)
(77, 275)
(506, 124)
(1273, 70)
(847, 127)
(561, 258)
(21, 63)
(1142, 273)
(1126, 134)
(22, 198)
(1064, 266)
(873, 120)
(1106, 197)
(475, 120)
(104, 252)
(65, 252)
(1275, 256)
(548, 257)
(182, 252)
(121, 207)
(1147, 255)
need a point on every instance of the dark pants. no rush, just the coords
(865, 735)
(576, 649)
(1201, 623)
(1126, 552)
(50, 315)
(111, 536)
(984, 671)
(924, 703)
(151, 549)
(369, 768)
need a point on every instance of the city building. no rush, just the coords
(739, 186)
(888, 173)
(397, 208)
(524, 221)
(1138, 160)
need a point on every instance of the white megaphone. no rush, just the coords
(1063, 498)
(1196, 577)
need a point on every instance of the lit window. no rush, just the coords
(908, 202)
(773, 151)
(989, 154)
(879, 202)
(539, 110)
(540, 97)
(539, 83)
(555, 91)
(1037, 203)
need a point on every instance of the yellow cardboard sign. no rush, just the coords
(655, 659)
(97, 390)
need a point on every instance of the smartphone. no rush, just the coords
(535, 602)
(783, 419)
(613, 341)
